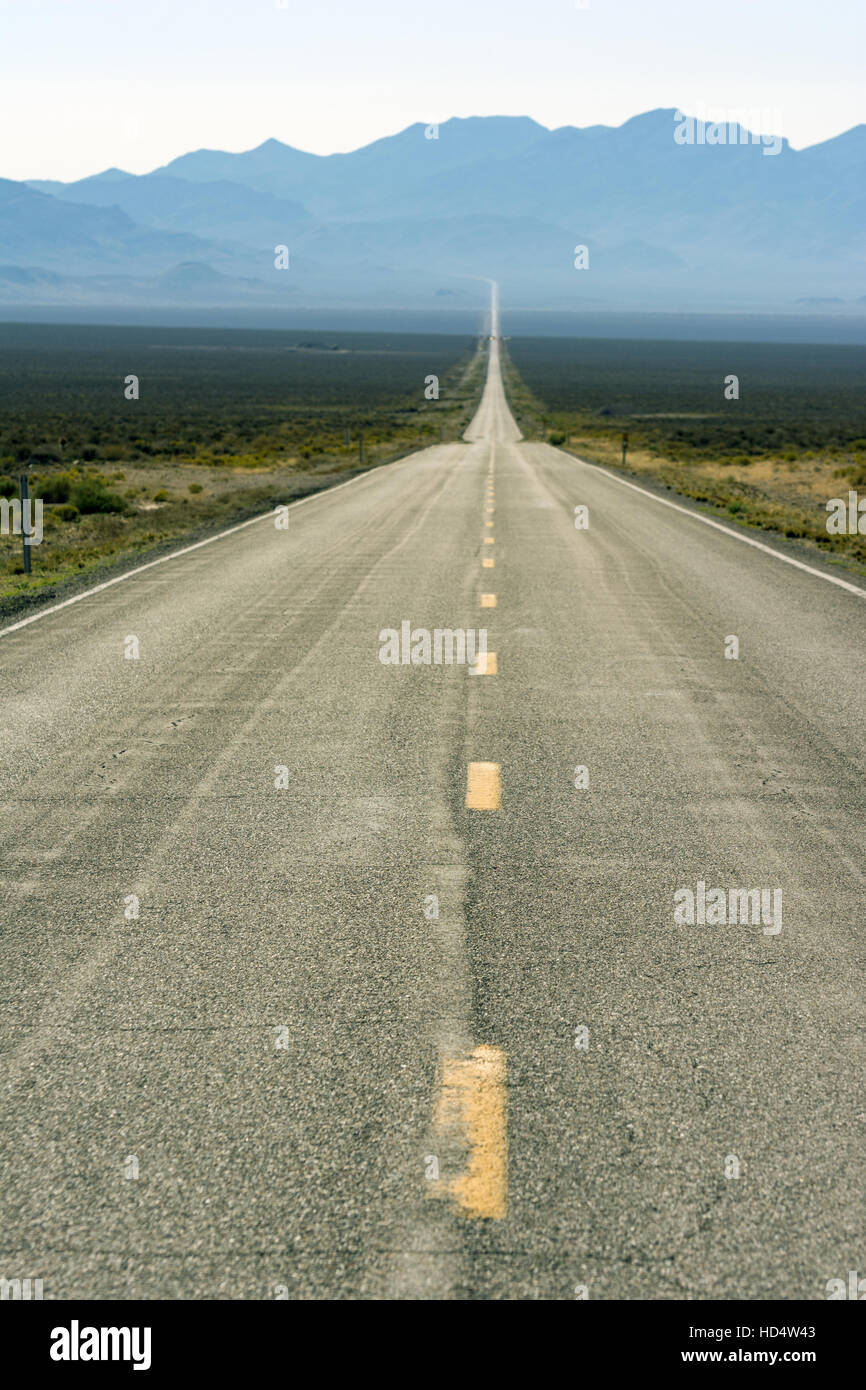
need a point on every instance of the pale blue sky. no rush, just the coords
(85, 84)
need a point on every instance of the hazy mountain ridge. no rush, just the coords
(687, 226)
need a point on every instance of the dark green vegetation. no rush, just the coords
(794, 439)
(227, 423)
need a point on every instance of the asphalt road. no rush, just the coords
(340, 1042)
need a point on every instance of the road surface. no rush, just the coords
(326, 977)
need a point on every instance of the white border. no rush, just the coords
(185, 550)
(717, 526)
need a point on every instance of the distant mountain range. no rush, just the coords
(416, 220)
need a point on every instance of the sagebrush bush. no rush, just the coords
(53, 489)
(91, 496)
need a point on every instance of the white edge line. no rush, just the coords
(717, 526)
(185, 550)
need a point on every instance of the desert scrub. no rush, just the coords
(219, 436)
(769, 460)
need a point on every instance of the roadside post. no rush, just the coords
(624, 446)
(26, 527)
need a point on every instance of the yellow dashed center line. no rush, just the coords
(483, 787)
(489, 540)
(471, 1097)
(472, 1102)
(485, 664)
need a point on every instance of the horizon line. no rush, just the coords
(493, 116)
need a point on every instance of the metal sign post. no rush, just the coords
(25, 521)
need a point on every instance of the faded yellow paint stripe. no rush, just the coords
(488, 540)
(485, 664)
(488, 600)
(483, 787)
(488, 564)
(472, 1100)
(488, 523)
